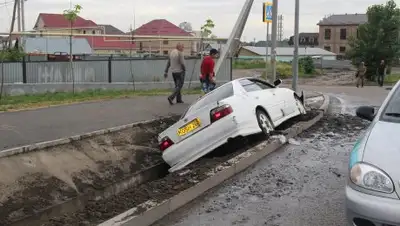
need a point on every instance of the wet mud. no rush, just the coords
(33, 182)
(98, 211)
(300, 184)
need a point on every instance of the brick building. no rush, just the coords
(335, 30)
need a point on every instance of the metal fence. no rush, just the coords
(102, 71)
(333, 64)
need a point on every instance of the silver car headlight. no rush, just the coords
(370, 177)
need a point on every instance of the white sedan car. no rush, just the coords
(241, 107)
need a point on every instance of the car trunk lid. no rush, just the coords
(193, 122)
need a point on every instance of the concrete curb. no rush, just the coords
(52, 143)
(156, 211)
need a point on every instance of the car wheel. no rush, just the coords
(264, 122)
(300, 105)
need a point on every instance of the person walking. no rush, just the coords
(361, 74)
(207, 74)
(176, 62)
(381, 72)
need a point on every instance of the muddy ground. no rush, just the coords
(32, 182)
(158, 190)
(301, 184)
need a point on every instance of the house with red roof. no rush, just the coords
(56, 23)
(162, 27)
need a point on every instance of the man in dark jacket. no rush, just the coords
(207, 76)
(381, 72)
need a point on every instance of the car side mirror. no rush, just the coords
(366, 112)
(277, 82)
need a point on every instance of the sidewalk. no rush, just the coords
(32, 126)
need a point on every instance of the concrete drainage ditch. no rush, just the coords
(104, 207)
(90, 180)
(58, 179)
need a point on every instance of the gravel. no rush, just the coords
(158, 190)
(301, 184)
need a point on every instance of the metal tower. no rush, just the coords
(280, 28)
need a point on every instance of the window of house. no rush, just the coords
(84, 32)
(165, 52)
(93, 32)
(358, 34)
(343, 34)
(165, 42)
(328, 34)
(140, 45)
(327, 48)
(342, 49)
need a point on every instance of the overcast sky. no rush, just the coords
(224, 13)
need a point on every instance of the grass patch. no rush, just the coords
(48, 99)
(392, 79)
(248, 64)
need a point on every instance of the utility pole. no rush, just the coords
(296, 46)
(274, 33)
(266, 53)
(23, 14)
(235, 35)
(19, 14)
(12, 24)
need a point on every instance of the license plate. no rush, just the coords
(192, 125)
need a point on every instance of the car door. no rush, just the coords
(263, 95)
(285, 97)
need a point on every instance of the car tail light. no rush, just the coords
(165, 143)
(220, 112)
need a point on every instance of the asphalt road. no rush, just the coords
(300, 185)
(32, 126)
(27, 127)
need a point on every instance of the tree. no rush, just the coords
(206, 31)
(378, 39)
(71, 15)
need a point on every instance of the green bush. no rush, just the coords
(306, 65)
(284, 70)
(248, 64)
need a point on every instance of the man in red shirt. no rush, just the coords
(207, 76)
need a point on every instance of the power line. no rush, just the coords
(5, 4)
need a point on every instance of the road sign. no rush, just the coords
(267, 12)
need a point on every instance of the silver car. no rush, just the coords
(373, 187)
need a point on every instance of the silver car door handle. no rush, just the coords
(256, 98)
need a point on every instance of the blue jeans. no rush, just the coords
(206, 85)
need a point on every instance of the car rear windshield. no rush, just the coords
(218, 94)
(391, 112)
